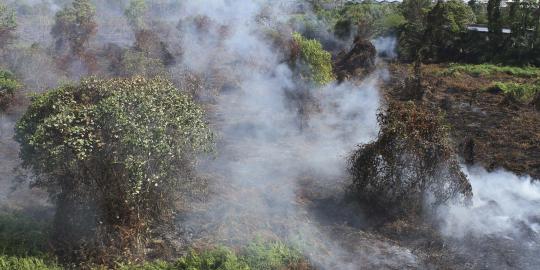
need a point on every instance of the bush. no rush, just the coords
(23, 236)
(8, 87)
(314, 63)
(113, 155)
(411, 165)
(521, 92)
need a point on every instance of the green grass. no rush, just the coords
(24, 243)
(522, 92)
(258, 255)
(28, 263)
(489, 69)
(262, 255)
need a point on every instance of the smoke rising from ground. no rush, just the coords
(276, 135)
(501, 229)
(503, 204)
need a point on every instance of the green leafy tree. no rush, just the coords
(311, 60)
(446, 23)
(135, 14)
(8, 86)
(479, 10)
(8, 24)
(113, 155)
(74, 26)
(524, 20)
(495, 24)
(411, 37)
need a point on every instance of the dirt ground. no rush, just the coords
(488, 128)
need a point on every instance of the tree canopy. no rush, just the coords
(112, 153)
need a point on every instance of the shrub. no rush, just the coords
(522, 92)
(112, 154)
(410, 166)
(313, 62)
(8, 87)
(30, 263)
(23, 236)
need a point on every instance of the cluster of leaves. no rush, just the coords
(8, 24)
(8, 86)
(74, 26)
(490, 69)
(312, 61)
(411, 166)
(112, 151)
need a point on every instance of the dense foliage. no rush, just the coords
(367, 19)
(8, 87)
(434, 33)
(312, 61)
(112, 155)
(411, 166)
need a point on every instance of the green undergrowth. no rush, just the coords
(520, 91)
(24, 245)
(490, 69)
(23, 236)
(258, 255)
(26, 263)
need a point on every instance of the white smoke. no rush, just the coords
(502, 202)
(276, 136)
(386, 46)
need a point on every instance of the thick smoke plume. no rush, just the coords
(276, 138)
(501, 229)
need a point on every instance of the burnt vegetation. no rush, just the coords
(411, 166)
